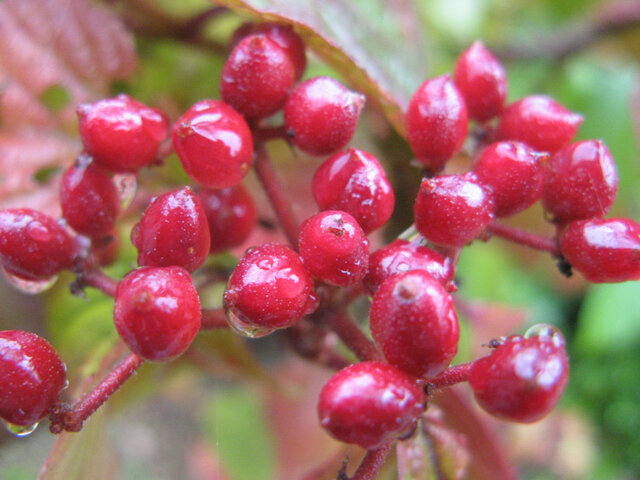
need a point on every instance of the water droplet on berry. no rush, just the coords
(126, 185)
(20, 430)
(244, 328)
(543, 330)
(31, 287)
(313, 302)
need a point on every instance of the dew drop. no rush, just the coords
(239, 325)
(546, 331)
(32, 287)
(126, 185)
(20, 430)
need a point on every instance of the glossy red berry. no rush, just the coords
(514, 173)
(482, 81)
(321, 115)
(581, 182)
(89, 199)
(231, 215)
(540, 122)
(122, 134)
(353, 181)
(214, 144)
(257, 77)
(269, 289)
(369, 404)
(603, 250)
(402, 256)
(31, 377)
(414, 323)
(173, 231)
(523, 378)
(436, 122)
(334, 248)
(33, 245)
(452, 210)
(157, 312)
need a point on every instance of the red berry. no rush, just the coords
(603, 250)
(334, 248)
(269, 289)
(31, 377)
(482, 81)
(540, 122)
(369, 404)
(523, 378)
(414, 323)
(89, 199)
(321, 115)
(257, 77)
(402, 256)
(33, 245)
(121, 134)
(353, 181)
(514, 173)
(173, 231)
(214, 144)
(452, 210)
(157, 312)
(231, 215)
(436, 121)
(581, 182)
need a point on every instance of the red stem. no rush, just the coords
(451, 376)
(98, 279)
(264, 134)
(528, 239)
(213, 318)
(352, 336)
(372, 462)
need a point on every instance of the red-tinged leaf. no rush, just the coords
(378, 46)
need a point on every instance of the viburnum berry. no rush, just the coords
(231, 215)
(334, 248)
(452, 210)
(353, 181)
(321, 115)
(122, 134)
(414, 323)
(540, 122)
(514, 173)
(523, 378)
(89, 199)
(603, 250)
(482, 81)
(257, 77)
(270, 288)
(581, 182)
(33, 245)
(402, 256)
(436, 122)
(173, 231)
(369, 404)
(157, 312)
(31, 377)
(214, 144)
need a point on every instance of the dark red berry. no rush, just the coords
(353, 181)
(436, 121)
(214, 144)
(31, 377)
(452, 210)
(334, 248)
(321, 115)
(33, 245)
(257, 77)
(269, 289)
(122, 134)
(514, 173)
(581, 182)
(482, 81)
(157, 312)
(89, 199)
(414, 323)
(523, 378)
(369, 404)
(603, 250)
(231, 215)
(173, 231)
(402, 256)
(540, 122)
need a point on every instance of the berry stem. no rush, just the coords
(264, 134)
(528, 239)
(451, 376)
(279, 201)
(372, 462)
(351, 335)
(98, 279)
(213, 319)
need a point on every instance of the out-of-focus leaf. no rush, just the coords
(378, 46)
(414, 459)
(450, 448)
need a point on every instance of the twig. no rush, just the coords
(371, 463)
(351, 335)
(528, 239)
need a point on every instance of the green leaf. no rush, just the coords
(55, 98)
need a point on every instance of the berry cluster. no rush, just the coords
(525, 154)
